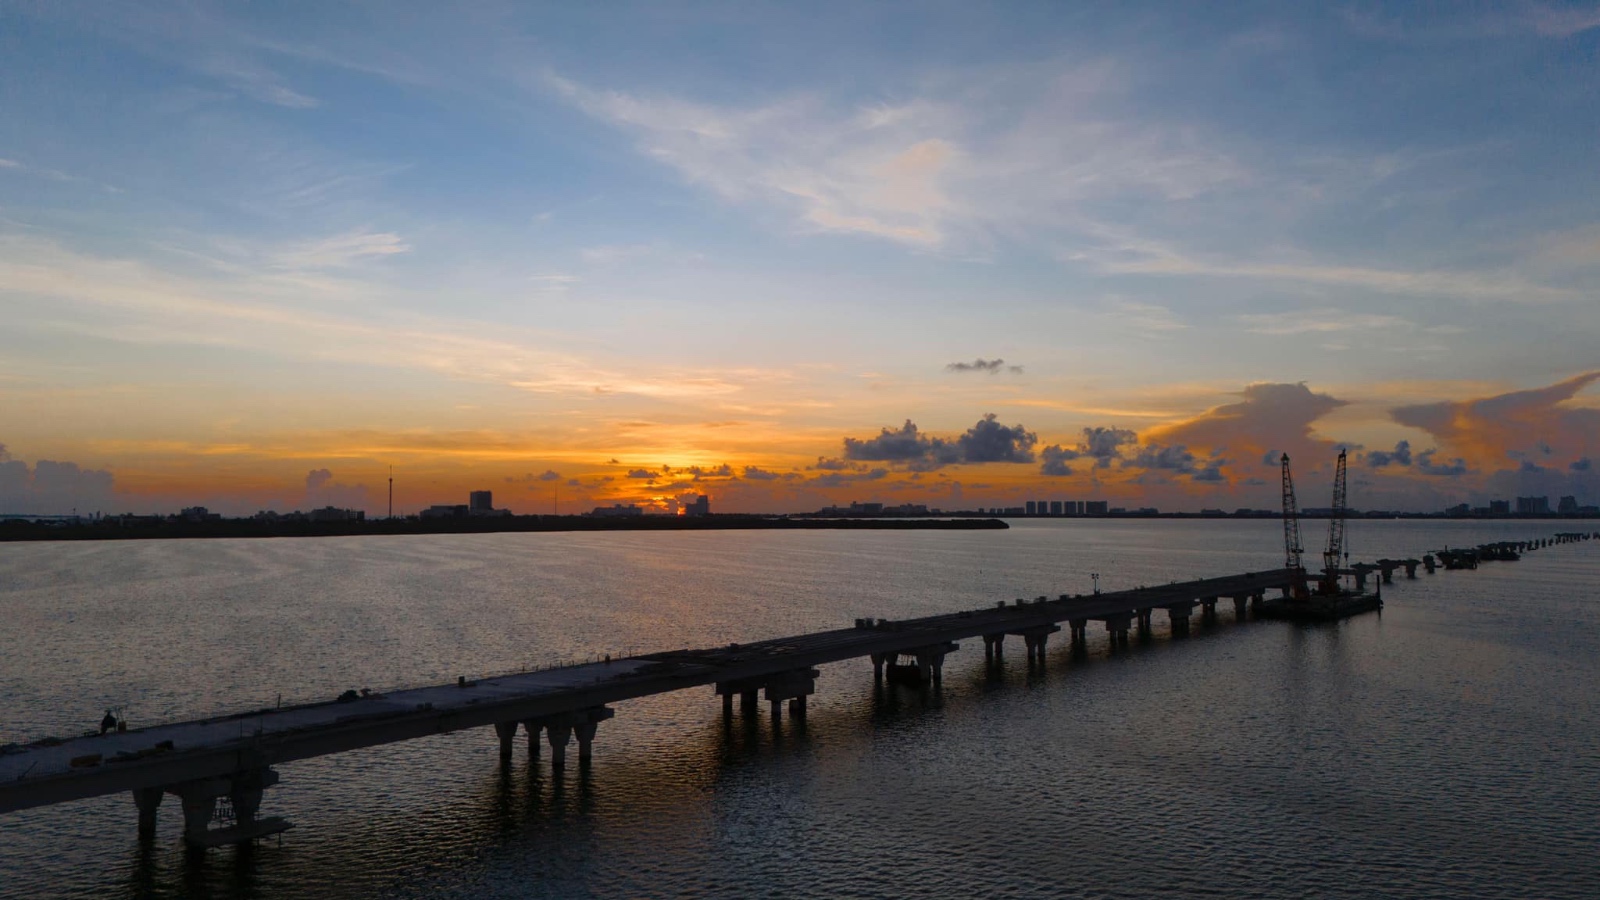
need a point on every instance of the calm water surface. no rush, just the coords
(1448, 747)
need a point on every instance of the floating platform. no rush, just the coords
(1320, 607)
(241, 833)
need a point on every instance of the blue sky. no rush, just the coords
(238, 241)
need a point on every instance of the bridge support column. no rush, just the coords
(1361, 572)
(993, 644)
(1035, 639)
(585, 732)
(1143, 617)
(1411, 568)
(243, 791)
(1117, 625)
(927, 664)
(559, 734)
(878, 661)
(533, 727)
(1208, 611)
(1080, 633)
(148, 800)
(1256, 601)
(1178, 617)
(748, 700)
(797, 707)
(507, 733)
(1239, 608)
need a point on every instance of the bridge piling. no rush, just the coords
(148, 800)
(533, 727)
(1178, 616)
(1239, 602)
(559, 734)
(1143, 618)
(507, 733)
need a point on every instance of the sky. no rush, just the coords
(253, 256)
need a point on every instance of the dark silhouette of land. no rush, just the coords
(145, 529)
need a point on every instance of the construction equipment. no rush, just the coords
(1333, 555)
(1291, 521)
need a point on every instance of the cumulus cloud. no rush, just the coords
(1399, 456)
(1054, 460)
(991, 366)
(753, 473)
(986, 441)
(1454, 469)
(50, 487)
(642, 473)
(322, 490)
(547, 475)
(1269, 417)
(1578, 465)
(316, 478)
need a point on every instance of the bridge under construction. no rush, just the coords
(218, 768)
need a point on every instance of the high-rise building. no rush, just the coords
(1567, 505)
(1094, 507)
(700, 506)
(480, 501)
(1055, 507)
(1533, 506)
(1030, 507)
(1499, 507)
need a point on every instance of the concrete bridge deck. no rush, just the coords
(204, 760)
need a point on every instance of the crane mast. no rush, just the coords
(1291, 521)
(1335, 550)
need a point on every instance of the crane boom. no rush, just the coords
(1291, 521)
(1335, 550)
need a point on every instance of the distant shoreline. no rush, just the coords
(248, 528)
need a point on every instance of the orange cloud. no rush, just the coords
(1531, 425)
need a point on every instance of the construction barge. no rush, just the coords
(1328, 600)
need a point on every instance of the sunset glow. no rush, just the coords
(253, 260)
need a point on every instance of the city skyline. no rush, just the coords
(251, 259)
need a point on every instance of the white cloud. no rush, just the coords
(343, 249)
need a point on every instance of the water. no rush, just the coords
(1447, 747)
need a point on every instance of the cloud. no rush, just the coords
(642, 473)
(1578, 465)
(991, 366)
(4, 453)
(985, 442)
(51, 487)
(316, 478)
(1055, 458)
(1278, 416)
(1453, 469)
(1487, 430)
(752, 473)
(342, 250)
(837, 465)
(1400, 456)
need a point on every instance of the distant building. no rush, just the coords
(444, 511)
(1031, 508)
(1533, 506)
(1567, 505)
(1499, 507)
(1094, 507)
(700, 506)
(1460, 509)
(1055, 507)
(480, 501)
(616, 511)
(334, 514)
(199, 514)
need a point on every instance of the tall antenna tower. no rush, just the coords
(391, 491)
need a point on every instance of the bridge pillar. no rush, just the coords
(1208, 611)
(1256, 600)
(199, 798)
(878, 662)
(1411, 568)
(993, 645)
(507, 733)
(1144, 623)
(197, 812)
(1035, 639)
(927, 664)
(585, 732)
(148, 800)
(1080, 633)
(1178, 617)
(749, 700)
(1239, 608)
(797, 707)
(1117, 625)
(559, 734)
(533, 727)
(1429, 563)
